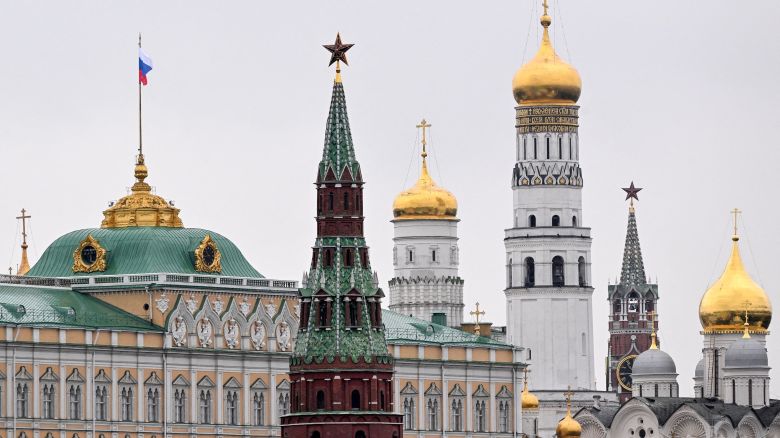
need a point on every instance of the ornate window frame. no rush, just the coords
(205, 399)
(102, 397)
(433, 408)
(99, 265)
(22, 389)
(232, 394)
(126, 392)
(258, 397)
(49, 386)
(480, 398)
(409, 394)
(201, 264)
(154, 393)
(457, 399)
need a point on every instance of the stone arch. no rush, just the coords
(633, 414)
(591, 426)
(723, 429)
(686, 424)
(749, 427)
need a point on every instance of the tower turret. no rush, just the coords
(340, 371)
(633, 313)
(426, 284)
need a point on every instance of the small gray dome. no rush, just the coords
(653, 361)
(746, 353)
(699, 373)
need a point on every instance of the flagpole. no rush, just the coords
(140, 120)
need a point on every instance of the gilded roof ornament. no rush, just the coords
(722, 308)
(568, 427)
(426, 200)
(24, 265)
(89, 256)
(207, 256)
(527, 399)
(546, 79)
(141, 208)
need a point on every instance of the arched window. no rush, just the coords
(535, 155)
(22, 400)
(353, 312)
(479, 410)
(381, 400)
(127, 404)
(649, 306)
(750, 392)
(633, 302)
(349, 257)
(259, 409)
(330, 201)
(48, 401)
(560, 148)
(315, 434)
(574, 221)
(656, 390)
(457, 415)
(433, 414)
(360, 434)
(530, 275)
(733, 391)
(571, 156)
(179, 406)
(231, 408)
(557, 271)
(320, 399)
(581, 271)
(548, 148)
(322, 313)
(346, 201)
(616, 306)
(355, 399)
(509, 274)
(408, 414)
(525, 155)
(205, 407)
(532, 221)
(556, 221)
(328, 258)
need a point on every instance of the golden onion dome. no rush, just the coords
(724, 305)
(426, 200)
(141, 208)
(527, 399)
(546, 79)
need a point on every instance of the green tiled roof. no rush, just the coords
(61, 307)
(401, 329)
(339, 152)
(142, 250)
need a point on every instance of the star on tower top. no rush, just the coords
(631, 193)
(338, 51)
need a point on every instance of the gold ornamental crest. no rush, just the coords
(89, 256)
(207, 256)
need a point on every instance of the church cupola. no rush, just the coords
(654, 373)
(426, 284)
(546, 79)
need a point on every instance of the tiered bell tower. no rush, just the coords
(548, 284)
(633, 309)
(341, 373)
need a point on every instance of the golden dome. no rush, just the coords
(546, 78)
(426, 200)
(141, 208)
(723, 306)
(568, 427)
(527, 399)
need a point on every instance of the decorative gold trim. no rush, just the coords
(99, 265)
(617, 370)
(200, 263)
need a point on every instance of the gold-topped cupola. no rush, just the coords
(724, 306)
(426, 200)
(546, 79)
(141, 208)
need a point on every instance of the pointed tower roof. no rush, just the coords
(338, 156)
(633, 271)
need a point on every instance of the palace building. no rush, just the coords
(145, 328)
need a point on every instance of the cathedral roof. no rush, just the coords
(746, 353)
(142, 250)
(653, 362)
(42, 306)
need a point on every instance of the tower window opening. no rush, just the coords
(530, 277)
(509, 274)
(556, 220)
(633, 302)
(433, 255)
(357, 201)
(571, 156)
(410, 259)
(616, 306)
(349, 257)
(525, 152)
(557, 271)
(322, 313)
(581, 271)
(328, 258)
(560, 148)
(320, 399)
(733, 391)
(535, 155)
(346, 201)
(355, 399)
(532, 221)
(330, 201)
(574, 221)
(649, 306)
(353, 313)
(750, 392)
(548, 148)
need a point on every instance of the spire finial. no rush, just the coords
(568, 395)
(338, 54)
(632, 193)
(546, 20)
(653, 344)
(24, 266)
(476, 313)
(746, 333)
(424, 125)
(736, 212)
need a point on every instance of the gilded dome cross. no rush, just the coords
(424, 125)
(736, 212)
(476, 313)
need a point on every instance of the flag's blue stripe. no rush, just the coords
(143, 67)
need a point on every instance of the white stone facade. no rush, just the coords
(548, 284)
(426, 281)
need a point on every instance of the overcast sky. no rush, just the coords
(680, 97)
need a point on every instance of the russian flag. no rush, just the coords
(144, 66)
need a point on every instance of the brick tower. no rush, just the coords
(633, 310)
(341, 372)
